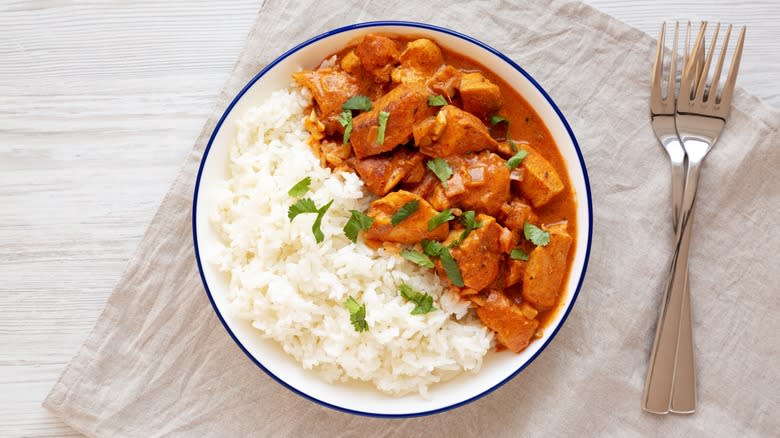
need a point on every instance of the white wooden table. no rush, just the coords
(99, 104)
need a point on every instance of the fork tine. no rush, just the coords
(728, 87)
(687, 45)
(658, 66)
(673, 63)
(706, 70)
(687, 83)
(716, 74)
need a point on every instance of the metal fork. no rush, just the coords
(700, 117)
(682, 384)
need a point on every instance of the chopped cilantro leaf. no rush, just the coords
(357, 314)
(358, 221)
(518, 254)
(441, 169)
(516, 159)
(439, 219)
(535, 234)
(432, 247)
(304, 205)
(496, 119)
(451, 267)
(436, 100)
(423, 302)
(300, 188)
(358, 103)
(315, 228)
(404, 212)
(417, 258)
(345, 120)
(380, 133)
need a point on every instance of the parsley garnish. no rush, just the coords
(439, 219)
(359, 103)
(451, 267)
(441, 169)
(306, 205)
(358, 221)
(404, 212)
(345, 120)
(380, 133)
(516, 159)
(518, 254)
(300, 188)
(417, 258)
(423, 302)
(436, 100)
(357, 314)
(535, 234)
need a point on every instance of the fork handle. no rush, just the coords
(663, 361)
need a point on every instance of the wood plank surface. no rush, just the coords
(99, 104)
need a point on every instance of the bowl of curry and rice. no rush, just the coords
(392, 219)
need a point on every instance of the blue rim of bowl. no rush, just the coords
(385, 24)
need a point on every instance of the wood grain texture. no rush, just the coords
(99, 104)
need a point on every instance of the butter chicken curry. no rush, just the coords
(468, 178)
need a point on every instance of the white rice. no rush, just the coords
(293, 289)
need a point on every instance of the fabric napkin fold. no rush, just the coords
(158, 362)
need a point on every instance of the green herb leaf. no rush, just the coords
(404, 212)
(417, 258)
(380, 133)
(518, 254)
(496, 119)
(468, 221)
(315, 228)
(358, 221)
(441, 218)
(436, 100)
(357, 314)
(535, 234)
(345, 120)
(441, 169)
(358, 103)
(432, 247)
(516, 159)
(300, 188)
(451, 267)
(423, 301)
(304, 205)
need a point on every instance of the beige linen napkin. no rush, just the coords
(158, 361)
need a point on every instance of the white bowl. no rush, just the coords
(497, 368)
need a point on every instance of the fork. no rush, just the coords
(699, 118)
(682, 383)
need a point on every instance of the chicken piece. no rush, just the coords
(407, 105)
(515, 214)
(546, 268)
(513, 328)
(413, 229)
(419, 61)
(479, 182)
(382, 172)
(462, 133)
(424, 187)
(378, 55)
(479, 255)
(539, 182)
(416, 173)
(514, 271)
(480, 96)
(350, 63)
(334, 154)
(330, 89)
(445, 81)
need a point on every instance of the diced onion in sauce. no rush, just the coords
(516, 174)
(528, 311)
(477, 174)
